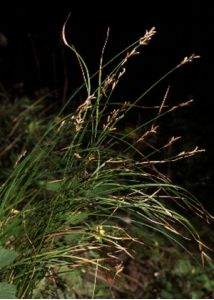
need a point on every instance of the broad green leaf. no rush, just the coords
(102, 190)
(183, 267)
(12, 228)
(197, 294)
(53, 186)
(77, 217)
(208, 283)
(7, 291)
(7, 257)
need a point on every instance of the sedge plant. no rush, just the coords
(85, 192)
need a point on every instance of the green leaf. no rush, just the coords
(7, 257)
(12, 228)
(208, 283)
(197, 295)
(7, 291)
(77, 217)
(182, 268)
(53, 186)
(102, 190)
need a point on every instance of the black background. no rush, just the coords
(35, 54)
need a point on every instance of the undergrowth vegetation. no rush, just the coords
(79, 195)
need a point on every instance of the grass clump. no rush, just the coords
(82, 193)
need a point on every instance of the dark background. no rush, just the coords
(36, 58)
